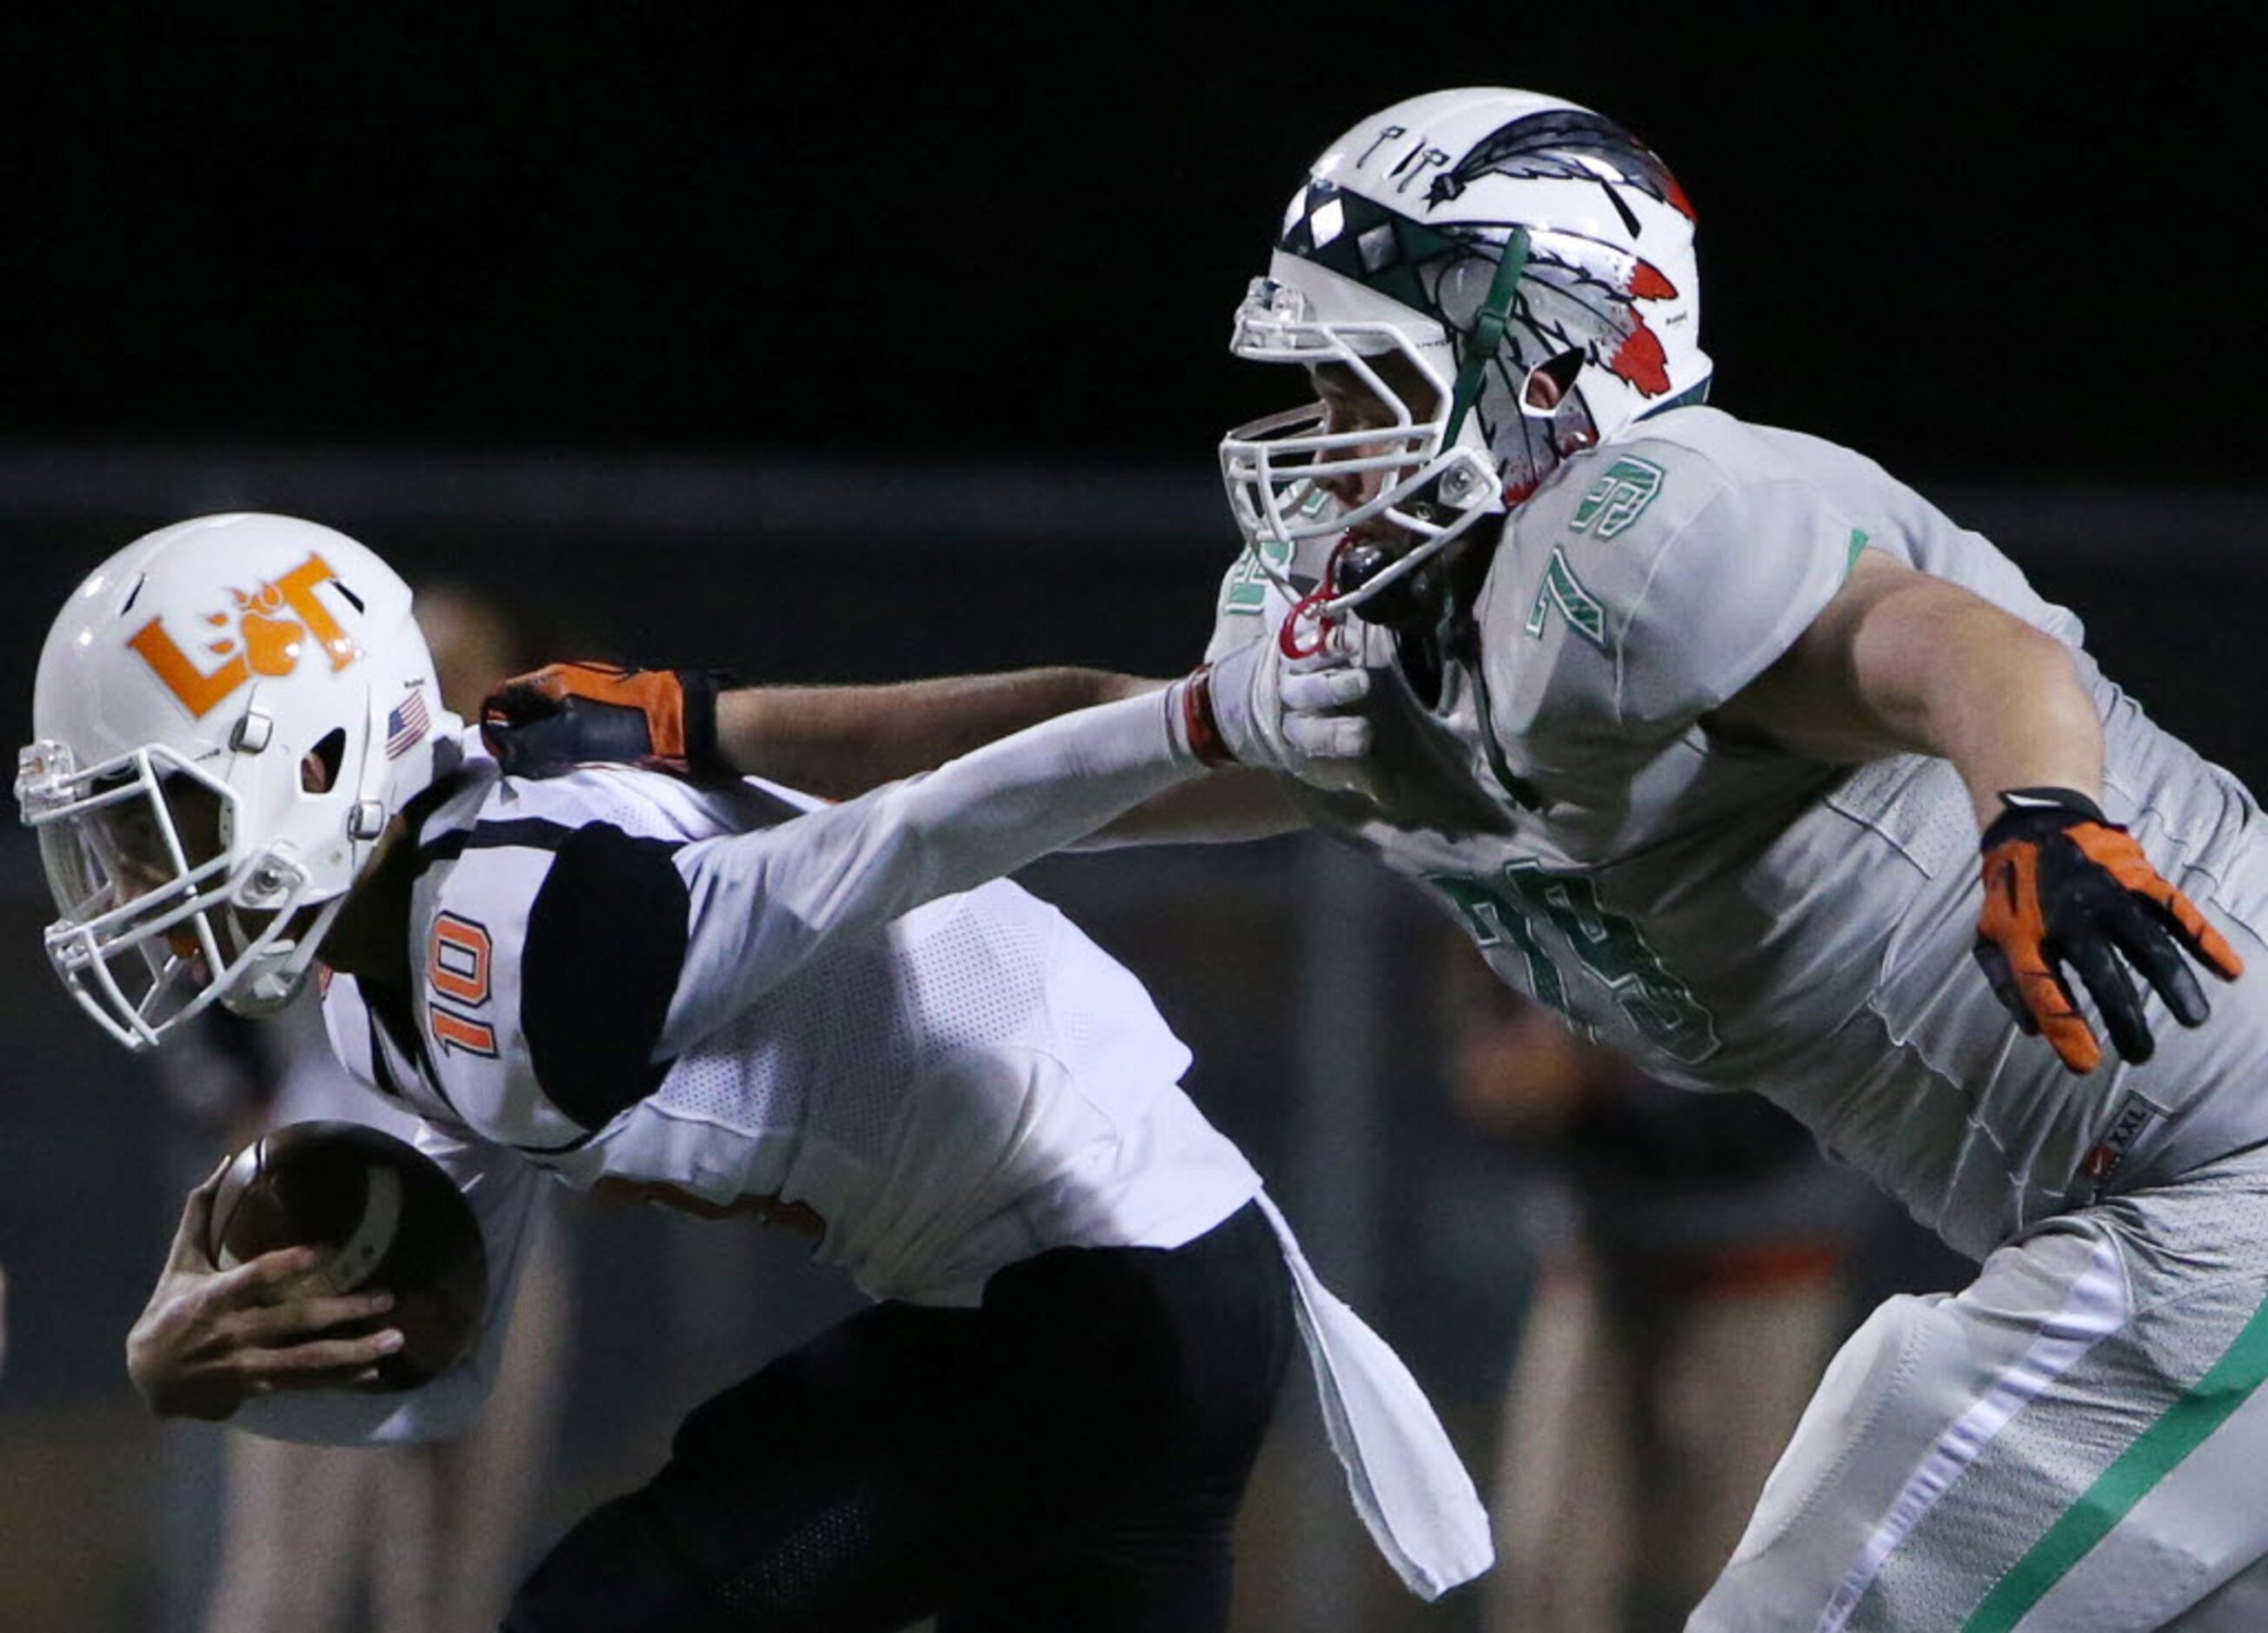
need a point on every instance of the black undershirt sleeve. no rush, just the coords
(606, 943)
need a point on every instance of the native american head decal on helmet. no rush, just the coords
(1489, 238)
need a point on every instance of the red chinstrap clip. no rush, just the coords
(1310, 607)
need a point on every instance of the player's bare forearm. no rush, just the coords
(1902, 662)
(838, 741)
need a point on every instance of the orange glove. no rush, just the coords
(2065, 886)
(572, 715)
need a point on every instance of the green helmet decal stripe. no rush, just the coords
(1488, 332)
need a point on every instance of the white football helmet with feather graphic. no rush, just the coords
(1482, 236)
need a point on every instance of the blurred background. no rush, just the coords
(865, 348)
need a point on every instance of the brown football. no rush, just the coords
(388, 1219)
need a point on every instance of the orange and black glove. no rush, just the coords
(2064, 886)
(572, 715)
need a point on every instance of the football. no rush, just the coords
(387, 1219)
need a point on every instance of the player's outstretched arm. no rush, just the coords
(1903, 662)
(835, 742)
(1900, 663)
(840, 742)
(762, 904)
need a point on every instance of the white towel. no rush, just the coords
(1413, 1493)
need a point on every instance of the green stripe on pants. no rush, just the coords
(2180, 1429)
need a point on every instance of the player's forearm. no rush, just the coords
(2002, 701)
(2024, 721)
(839, 742)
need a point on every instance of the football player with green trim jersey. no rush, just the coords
(1729, 746)
(1694, 724)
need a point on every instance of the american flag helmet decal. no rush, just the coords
(407, 725)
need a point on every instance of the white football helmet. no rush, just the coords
(1482, 237)
(185, 697)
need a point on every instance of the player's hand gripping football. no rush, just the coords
(210, 1339)
(2063, 887)
(1267, 707)
(570, 714)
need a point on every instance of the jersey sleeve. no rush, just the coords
(762, 904)
(605, 951)
(606, 958)
(1727, 595)
(1653, 595)
(504, 1193)
(1251, 605)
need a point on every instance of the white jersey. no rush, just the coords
(1741, 918)
(969, 1084)
(623, 980)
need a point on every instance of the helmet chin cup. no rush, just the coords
(1397, 590)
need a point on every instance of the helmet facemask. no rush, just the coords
(163, 911)
(1438, 480)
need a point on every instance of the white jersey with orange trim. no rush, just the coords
(742, 1000)
(966, 1085)
(1737, 917)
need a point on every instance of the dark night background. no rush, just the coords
(869, 343)
(746, 330)
(2023, 246)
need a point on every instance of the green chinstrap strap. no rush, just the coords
(2180, 1429)
(1488, 332)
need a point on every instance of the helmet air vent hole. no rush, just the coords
(1549, 381)
(133, 595)
(355, 601)
(326, 757)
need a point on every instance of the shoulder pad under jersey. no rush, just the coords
(1654, 577)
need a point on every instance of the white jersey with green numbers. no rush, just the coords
(1741, 918)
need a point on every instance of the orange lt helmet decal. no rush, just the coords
(273, 626)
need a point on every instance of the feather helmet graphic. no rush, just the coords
(1566, 142)
(1482, 235)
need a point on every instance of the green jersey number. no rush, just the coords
(1246, 588)
(1504, 910)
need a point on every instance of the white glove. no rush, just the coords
(1303, 716)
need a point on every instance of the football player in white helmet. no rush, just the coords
(1733, 705)
(216, 756)
(1500, 280)
(736, 1001)
(1708, 733)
